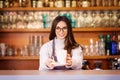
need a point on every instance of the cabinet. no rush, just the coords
(20, 37)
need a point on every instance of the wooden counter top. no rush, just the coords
(60, 75)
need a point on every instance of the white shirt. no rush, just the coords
(46, 52)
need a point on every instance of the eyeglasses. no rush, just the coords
(59, 29)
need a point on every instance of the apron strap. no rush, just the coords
(53, 51)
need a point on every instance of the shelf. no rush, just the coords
(19, 58)
(37, 57)
(101, 57)
(46, 30)
(56, 8)
(41, 30)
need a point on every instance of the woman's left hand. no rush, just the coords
(68, 60)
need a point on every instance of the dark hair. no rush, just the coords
(70, 42)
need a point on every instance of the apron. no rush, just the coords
(55, 58)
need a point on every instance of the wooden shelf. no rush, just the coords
(37, 57)
(61, 9)
(19, 58)
(46, 30)
(101, 57)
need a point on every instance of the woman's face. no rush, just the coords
(61, 30)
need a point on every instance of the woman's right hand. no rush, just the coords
(50, 63)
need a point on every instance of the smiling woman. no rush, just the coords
(61, 30)
(62, 52)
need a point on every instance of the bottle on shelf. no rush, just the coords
(74, 3)
(33, 3)
(6, 4)
(51, 3)
(59, 3)
(92, 3)
(39, 3)
(1, 3)
(91, 47)
(98, 3)
(96, 49)
(115, 2)
(85, 3)
(107, 44)
(46, 3)
(101, 45)
(67, 3)
(114, 45)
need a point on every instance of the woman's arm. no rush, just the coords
(46, 62)
(77, 58)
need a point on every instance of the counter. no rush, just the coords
(60, 75)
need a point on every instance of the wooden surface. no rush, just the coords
(62, 8)
(59, 75)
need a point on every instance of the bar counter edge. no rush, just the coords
(60, 75)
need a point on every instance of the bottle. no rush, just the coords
(67, 3)
(91, 47)
(74, 3)
(51, 3)
(101, 45)
(24, 3)
(107, 45)
(46, 3)
(98, 2)
(34, 3)
(92, 3)
(20, 3)
(96, 49)
(85, 3)
(1, 3)
(39, 3)
(114, 45)
(6, 3)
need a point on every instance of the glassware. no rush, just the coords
(1, 4)
(86, 50)
(2, 49)
(107, 44)
(79, 3)
(81, 19)
(114, 19)
(74, 3)
(59, 3)
(51, 3)
(98, 2)
(39, 3)
(115, 2)
(101, 45)
(91, 47)
(114, 45)
(96, 49)
(85, 15)
(97, 19)
(67, 3)
(106, 19)
(102, 17)
(85, 3)
(110, 3)
(93, 3)
(25, 51)
(45, 20)
(89, 19)
(93, 15)
(110, 15)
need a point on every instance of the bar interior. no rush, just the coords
(25, 26)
